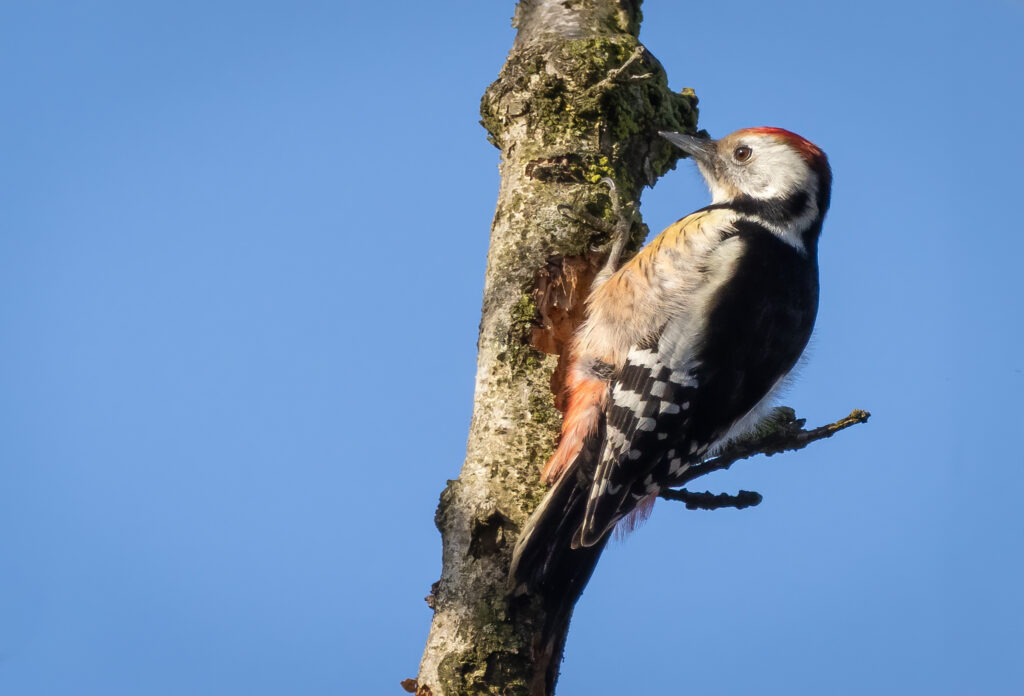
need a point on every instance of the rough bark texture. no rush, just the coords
(579, 99)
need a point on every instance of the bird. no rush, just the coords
(682, 349)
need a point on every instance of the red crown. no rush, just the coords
(811, 152)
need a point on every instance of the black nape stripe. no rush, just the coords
(776, 211)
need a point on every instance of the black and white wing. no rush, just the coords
(708, 369)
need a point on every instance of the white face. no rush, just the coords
(758, 166)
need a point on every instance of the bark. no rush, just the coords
(579, 99)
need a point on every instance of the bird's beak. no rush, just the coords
(701, 150)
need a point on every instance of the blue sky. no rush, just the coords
(242, 248)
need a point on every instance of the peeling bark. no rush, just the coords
(578, 99)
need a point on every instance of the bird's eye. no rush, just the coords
(741, 154)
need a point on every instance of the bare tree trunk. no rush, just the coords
(578, 99)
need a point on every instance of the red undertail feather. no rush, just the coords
(640, 514)
(586, 402)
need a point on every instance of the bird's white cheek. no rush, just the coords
(781, 179)
(720, 193)
(760, 184)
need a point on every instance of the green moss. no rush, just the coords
(547, 421)
(552, 114)
(565, 95)
(591, 60)
(542, 408)
(594, 56)
(519, 355)
(524, 310)
(598, 169)
(498, 663)
(562, 102)
(479, 672)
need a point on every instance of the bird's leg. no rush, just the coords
(619, 232)
(620, 235)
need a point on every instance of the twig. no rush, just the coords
(614, 74)
(709, 501)
(786, 434)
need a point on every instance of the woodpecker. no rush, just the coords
(682, 348)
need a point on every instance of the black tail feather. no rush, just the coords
(544, 563)
(544, 559)
(546, 567)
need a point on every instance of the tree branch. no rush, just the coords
(783, 432)
(710, 501)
